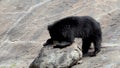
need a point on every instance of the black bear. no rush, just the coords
(64, 32)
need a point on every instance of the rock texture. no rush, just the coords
(50, 57)
(23, 29)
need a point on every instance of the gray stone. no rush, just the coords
(50, 57)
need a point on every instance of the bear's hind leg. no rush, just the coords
(85, 46)
(97, 46)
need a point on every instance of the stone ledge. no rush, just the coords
(50, 57)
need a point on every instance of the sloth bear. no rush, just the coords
(64, 31)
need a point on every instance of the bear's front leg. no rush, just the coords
(48, 42)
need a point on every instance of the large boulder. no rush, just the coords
(50, 57)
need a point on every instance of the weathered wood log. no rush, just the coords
(50, 57)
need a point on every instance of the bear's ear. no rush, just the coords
(49, 27)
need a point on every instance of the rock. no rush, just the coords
(50, 57)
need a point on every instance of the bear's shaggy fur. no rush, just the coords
(64, 32)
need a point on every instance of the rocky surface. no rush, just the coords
(23, 29)
(50, 57)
